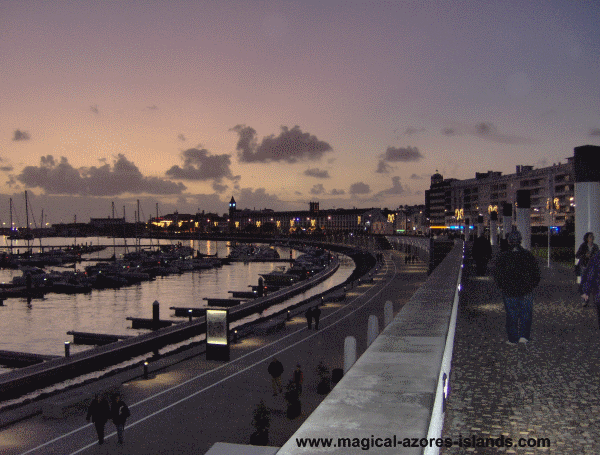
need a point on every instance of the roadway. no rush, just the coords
(189, 406)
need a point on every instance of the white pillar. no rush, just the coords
(493, 228)
(388, 313)
(587, 192)
(523, 217)
(479, 225)
(372, 329)
(349, 353)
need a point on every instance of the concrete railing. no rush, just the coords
(420, 246)
(397, 388)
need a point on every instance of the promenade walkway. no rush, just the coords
(548, 388)
(189, 406)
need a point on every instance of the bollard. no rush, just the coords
(67, 349)
(289, 316)
(322, 301)
(190, 314)
(145, 370)
(155, 313)
(349, 352)
(372, 329)
(388, 313)
(235, 336)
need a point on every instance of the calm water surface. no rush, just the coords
(40, 327)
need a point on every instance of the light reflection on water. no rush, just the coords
(41, 326)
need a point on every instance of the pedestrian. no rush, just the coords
(590, 282)
(582, 258)
(298, 377)
(99, 413)
(309, 317)
(517, 274)
(316, 314)
(482, 253)
(120, 412)
(275, 369)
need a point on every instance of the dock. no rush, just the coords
(222, 302)
(148, 323)
(244, 294)
(14, 359)
(95, 338)
(185, 311)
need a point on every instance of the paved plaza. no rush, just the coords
(548, 388)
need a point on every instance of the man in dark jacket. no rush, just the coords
(99, 412)
(275, 369)
(590, 282)
(120, 412)
(517, 274)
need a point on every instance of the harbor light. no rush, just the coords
(67, 349)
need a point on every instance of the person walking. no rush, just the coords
(590, 282)
(99, 413)
(275, 369)
(120, 412)
(582, 258)
(517, 274)
(309, 318)
(316, 314)
(298, 378)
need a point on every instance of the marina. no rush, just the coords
(40, 325)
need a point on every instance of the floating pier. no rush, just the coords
(185, 311)
(146, 323)
(222, 302)
(95, 338)
(13, 359)
(244, 294)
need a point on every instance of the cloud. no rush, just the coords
(152, 108)
(393, 154)
(320, 174)
(258, 199)
(335, 192)
(181, 137)
(21, 135)
(219, 188)
(449, 132)
(595, 132)
(94, 109)
(317, 189)
(396, 188)
(6, 168)
(383, 168)
(199, 165)
(359, 188)
(59, 177)
(292, 145)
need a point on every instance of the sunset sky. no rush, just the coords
(278, 103)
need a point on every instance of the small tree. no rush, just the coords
(261, 421)
(324, 385)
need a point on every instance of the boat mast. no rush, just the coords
(27, 232)
(113, 231)
(11, 228)
(137, 239)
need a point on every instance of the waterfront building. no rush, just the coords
(451, 202)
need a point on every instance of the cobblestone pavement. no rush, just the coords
(547, 388)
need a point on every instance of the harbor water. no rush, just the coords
(40, 326)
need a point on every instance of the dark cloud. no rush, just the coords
(383, 168)
(21, 135)
(396, 188)
(359, 188)
(94, 109)
(485, 129)
(318, 173)
(181, 137)
(152, 108)
(291, 145)
(449, 132)
(219, 188)
(59, 177)
(595, 132)
(6, 168)
(258, 199)
(416, 177)
(335, 192)
(317, 189)
(393, 154)
(198, 164)
(489, 132)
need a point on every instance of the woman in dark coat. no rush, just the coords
(585, 252)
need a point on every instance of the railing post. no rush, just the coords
(372, 329)
(349, 352)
